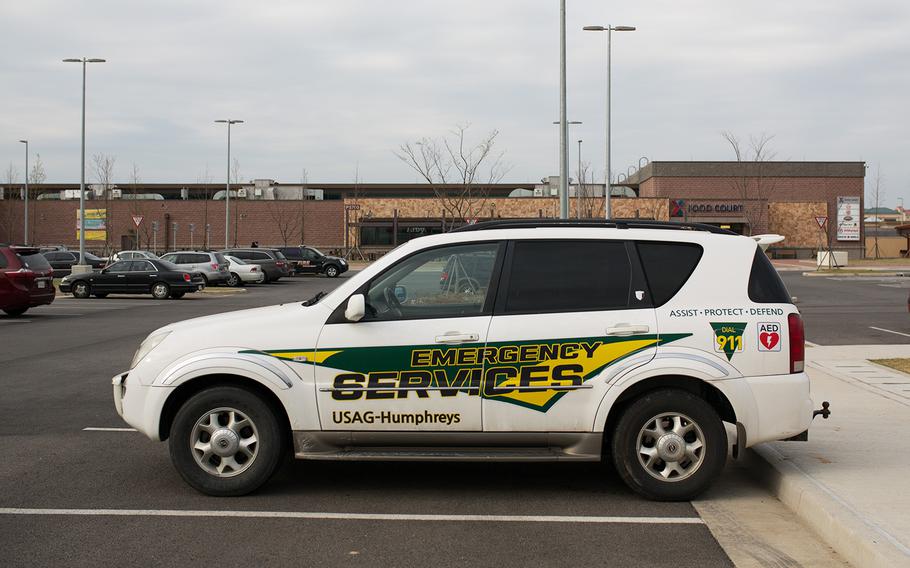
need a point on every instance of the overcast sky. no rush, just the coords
(333, 85)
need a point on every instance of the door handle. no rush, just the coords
(625, 330)
(456, 337)
(121, 276)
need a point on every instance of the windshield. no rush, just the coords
(90, 256)
(234, 260)
(35, 261)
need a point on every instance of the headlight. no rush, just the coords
(146, 347)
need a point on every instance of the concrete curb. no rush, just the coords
(856, 538)
(864, 274)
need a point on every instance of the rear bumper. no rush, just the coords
(782, 407)
(17, 298)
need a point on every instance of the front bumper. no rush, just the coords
(139, 405)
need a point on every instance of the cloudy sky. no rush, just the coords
(333, 86)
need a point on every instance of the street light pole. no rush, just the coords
(609, 29)
(82, 266)
(563, 126)
(25, 240)
(227, 195)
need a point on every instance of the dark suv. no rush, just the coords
(26, 279)
(309, 260)
(62, 261)
(274, 264)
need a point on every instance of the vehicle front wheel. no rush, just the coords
(331, 271)
(233, 280)
(160, 290)
(14, 312)
(81, 289)
(669, 445)
(226, 441)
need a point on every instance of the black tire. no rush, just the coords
(268, 451)
(177, 295)
(100, 295)
(160, 290)
(205, 280)
(15, 312)
(233, 280)
(81, 289)
(265, 277)
(636, 419)
(332, 271)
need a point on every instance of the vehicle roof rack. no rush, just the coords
(599, 223)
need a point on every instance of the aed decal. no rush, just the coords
(769, 336)
(728, 338)
(532, 374)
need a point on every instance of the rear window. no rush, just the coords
(667, 267)
(566, 276)
(280, 255)
(219, 258)
(765, 285)
(34, 261)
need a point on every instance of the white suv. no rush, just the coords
(512, 340)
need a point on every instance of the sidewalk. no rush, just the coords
(848, 482)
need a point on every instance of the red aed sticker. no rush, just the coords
(769, 336)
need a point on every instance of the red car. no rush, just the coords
(26, 279)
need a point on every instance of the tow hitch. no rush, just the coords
(825, 411)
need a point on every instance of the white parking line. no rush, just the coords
(889, 331)
(93, 429)
(356, 516)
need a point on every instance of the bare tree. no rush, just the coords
(286, 220)
(10, 178)
(752, 183)
(103, 166)
(36, 177)
(137, 208)
(454, 161)
(584, 192)
(877, 197)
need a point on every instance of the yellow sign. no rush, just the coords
(95, 224)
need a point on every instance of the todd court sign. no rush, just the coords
(682, 208)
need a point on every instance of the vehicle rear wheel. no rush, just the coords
(233, 280)
(14, 312)
(177, 295)
(100, 295)
(265, 278)
(226, 441)
(81, 289)
(331, 271)
(669, 445)
(160, 290)
(205, 280)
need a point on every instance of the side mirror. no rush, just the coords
(357, 308)
(401, 294)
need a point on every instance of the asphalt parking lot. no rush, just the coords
(81, 489)
(852, 310)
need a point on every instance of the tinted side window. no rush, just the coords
(3, 262)
(292, 253)
(35, 261)
(765, 285)
(667, 267)
(197, 258)
(122, 266)
(260, 256)
(564, 276)
(141, 266)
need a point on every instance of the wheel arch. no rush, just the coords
(187, 389)
(698, 387)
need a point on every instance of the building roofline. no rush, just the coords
(749, 169)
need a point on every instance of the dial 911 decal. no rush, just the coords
(532, 374)
(728, 337)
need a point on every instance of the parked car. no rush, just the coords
(243, 272)
(51, 248)
(26, 279)
(159, 278)
(274, 265)
(62, 261)
(212, 265)
(639, 342)
(132, 255)
(310, 260)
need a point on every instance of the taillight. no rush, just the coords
(21, 273)
(186, 277)
(797, 343)
(254, 269)
(279, 264)
(444, 277)
(214, 266)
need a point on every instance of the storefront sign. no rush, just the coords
(715, 208)
(848, 218)
(95, 224)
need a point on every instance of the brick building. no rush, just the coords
(750, 198)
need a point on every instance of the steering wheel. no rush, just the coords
(392, 302)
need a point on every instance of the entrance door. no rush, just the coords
(414, 362)
(569, 317)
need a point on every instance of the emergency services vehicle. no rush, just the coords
(519, 340)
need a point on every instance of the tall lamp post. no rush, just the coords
(81, 267)
(563, 125)
(568, 124)
(609, 29)
(227, 194)
(25, 240)
(578, 188)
